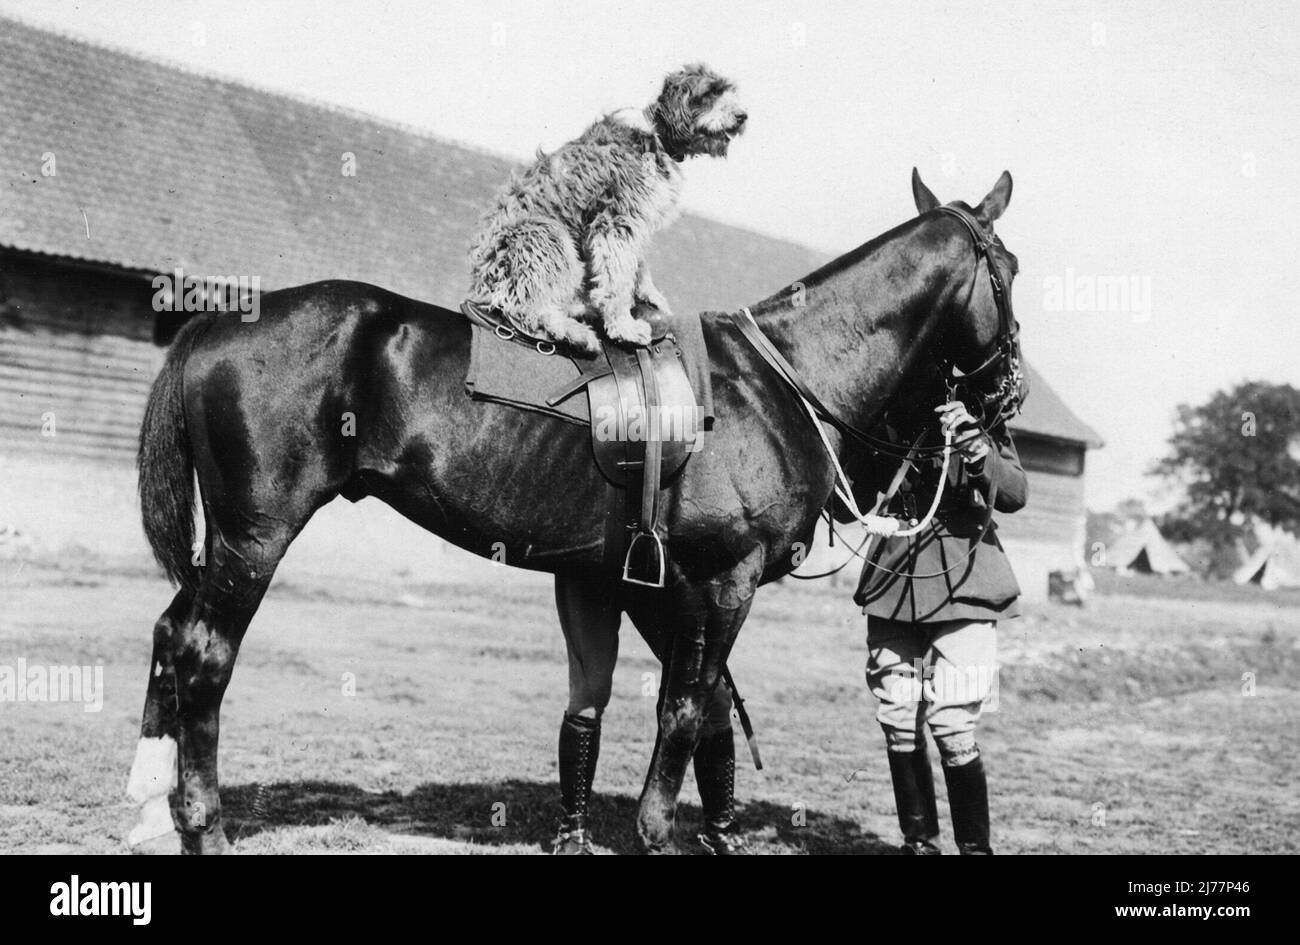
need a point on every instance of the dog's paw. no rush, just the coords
(629, 330)
(657, 301)
(582, 338)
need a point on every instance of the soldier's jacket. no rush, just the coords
(982, 586)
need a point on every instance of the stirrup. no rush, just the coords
(657, 548)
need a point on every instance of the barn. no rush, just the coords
(1048, 533)
(119, 168)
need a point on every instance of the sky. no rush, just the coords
(1153, 145)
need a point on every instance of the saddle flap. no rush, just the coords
(624, 421)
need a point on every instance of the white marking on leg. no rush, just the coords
(155, 821)
(153, 774)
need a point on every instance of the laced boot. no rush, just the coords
(715, 775)
(579, 749)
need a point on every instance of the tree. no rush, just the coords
(1237, 460)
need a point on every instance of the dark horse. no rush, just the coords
(345, 389)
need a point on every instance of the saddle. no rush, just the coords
(643, 412)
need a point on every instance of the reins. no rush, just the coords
(875, 523)
(1006, 397)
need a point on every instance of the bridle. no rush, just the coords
(995, 406)
(1002, 402)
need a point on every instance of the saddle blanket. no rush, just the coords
(508, 372)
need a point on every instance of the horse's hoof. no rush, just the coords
(656, 840)
(167, 844)
(207, 843)
(154, 832)
(659, 849)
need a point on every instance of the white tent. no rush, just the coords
(1276, 563)
(1145, 549)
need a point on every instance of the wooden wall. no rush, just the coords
(1048, 533)
(76, 359)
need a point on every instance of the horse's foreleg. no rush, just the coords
(153, 774)
(707, 619)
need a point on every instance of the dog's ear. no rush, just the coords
(673, 107)
(993, 206)
(925, 200)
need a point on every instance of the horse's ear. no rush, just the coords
(925, 200)
(993, 206)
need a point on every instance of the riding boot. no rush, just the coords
(715, 776)
(918, 813)
(968, 798)
(579, 749)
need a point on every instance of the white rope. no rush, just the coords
(884, 525)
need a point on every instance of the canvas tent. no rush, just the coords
(1276, 563)
(1144, 549)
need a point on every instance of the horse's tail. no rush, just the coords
(166, 465)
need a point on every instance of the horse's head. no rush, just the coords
(977, 347)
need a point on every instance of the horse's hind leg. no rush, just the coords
(153, 774)
(204, 648)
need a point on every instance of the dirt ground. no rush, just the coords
(1154, 720)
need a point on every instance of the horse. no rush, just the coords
(346, 389)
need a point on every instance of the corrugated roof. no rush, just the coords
(158, 167)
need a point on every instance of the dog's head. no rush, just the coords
(697, 113)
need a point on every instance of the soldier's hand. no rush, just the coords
(971, 444)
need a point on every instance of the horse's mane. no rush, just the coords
(782, 298)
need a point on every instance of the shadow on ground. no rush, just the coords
(465, 812)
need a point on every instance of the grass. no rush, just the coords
(1188, 587)
(1146, 722)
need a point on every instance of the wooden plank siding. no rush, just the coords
(1048, 533)
(75, 349)
(93, 387)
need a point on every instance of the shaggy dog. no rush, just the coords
(578, 222)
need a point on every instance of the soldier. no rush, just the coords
(932, 602)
